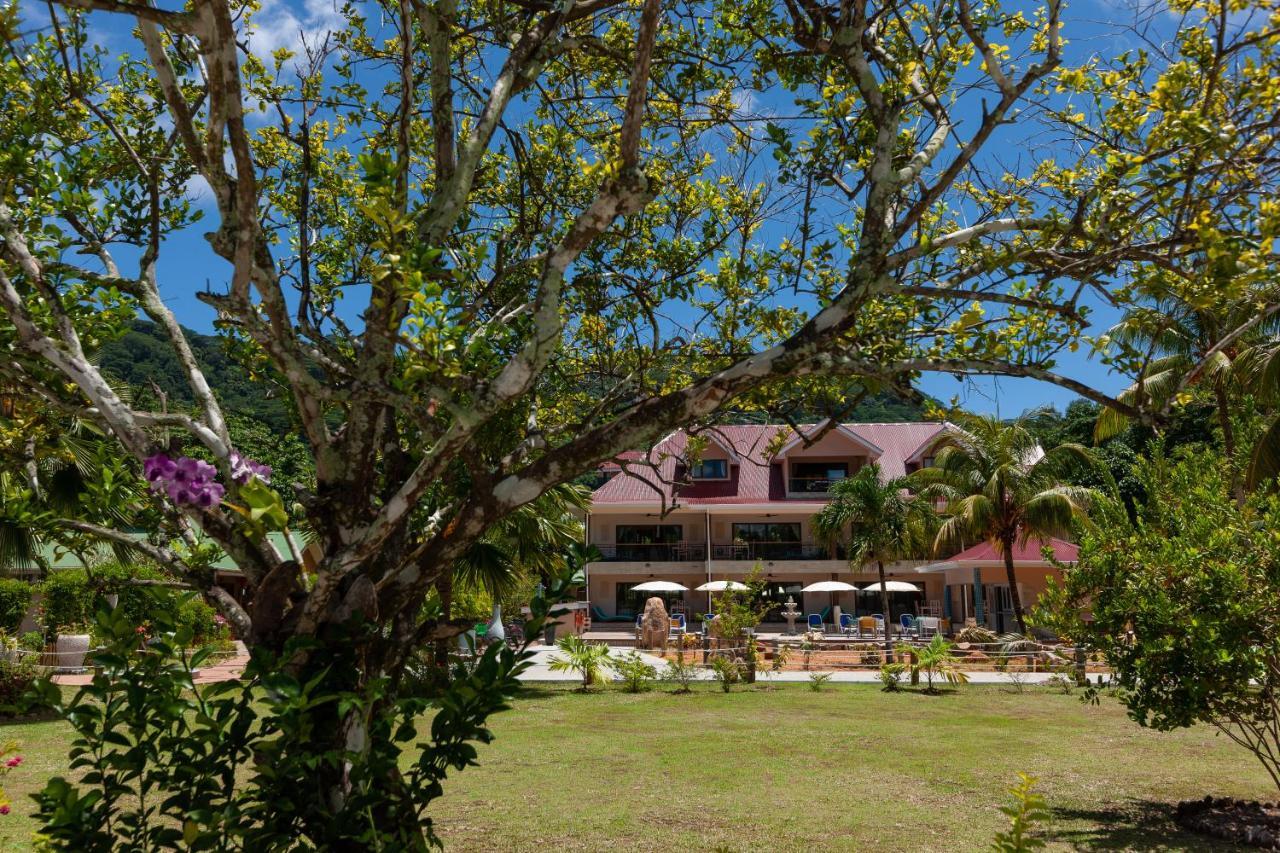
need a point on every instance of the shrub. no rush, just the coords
(66, 600)
(680, 673)
(72, 597)
(891, 676)
(585, 658)
(18, 675)
(935, 659)
(637, 674)
(1027, 810)
(15, 598)
(728, 671)
(153, 759)
(818, 680)
(1182, 602)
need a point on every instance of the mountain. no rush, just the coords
(142, 356)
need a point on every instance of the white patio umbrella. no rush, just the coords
(660, 586)
(719, 586)
(832, 587)
(891, 586)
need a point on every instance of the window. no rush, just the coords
(710, 469)
(647, 534)
(767, 532)
(820, 470)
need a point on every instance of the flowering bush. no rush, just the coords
(12, 761)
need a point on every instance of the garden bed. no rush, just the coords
(1245, 822)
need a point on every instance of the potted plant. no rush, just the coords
(71, 646)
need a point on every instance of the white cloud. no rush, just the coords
(291, 23)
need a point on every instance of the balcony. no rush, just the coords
(810, 485)
(653, 552)
(769, 551)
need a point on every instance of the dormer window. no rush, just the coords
(710, 469)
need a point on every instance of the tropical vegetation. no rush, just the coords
(1001, 487)
(474, 251)
(877, 520)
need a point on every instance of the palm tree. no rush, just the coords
(1217, 349)
(884, 521)
(536, 538)
(585, 658)
(935, 659)
(1003, 488)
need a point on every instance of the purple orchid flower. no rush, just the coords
(243, 469)
(184, 481)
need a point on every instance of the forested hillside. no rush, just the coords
(143, 356)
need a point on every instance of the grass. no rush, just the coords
(786, 768)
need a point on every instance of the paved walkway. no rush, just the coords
(540, 671)
(229, 669)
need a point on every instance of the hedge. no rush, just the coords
(71, 598)
(15, 598)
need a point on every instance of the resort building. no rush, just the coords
(740, 498)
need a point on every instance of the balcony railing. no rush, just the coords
(653, 552)
(811, 485)
(769, 551)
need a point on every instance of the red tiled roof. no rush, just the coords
(1028, 552)
(757, 479)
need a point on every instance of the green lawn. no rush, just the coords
(785, 768)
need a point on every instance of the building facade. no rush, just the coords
(741, 499)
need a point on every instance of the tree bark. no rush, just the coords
(888, 615)
(1228, 439)
(1007, 547)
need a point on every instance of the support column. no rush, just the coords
(979, 607)
(946, 601)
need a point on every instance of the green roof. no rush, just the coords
(58, 557)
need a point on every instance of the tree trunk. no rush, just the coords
(444, 588)
(1013, 586)
(1228, 440)
(888, 615)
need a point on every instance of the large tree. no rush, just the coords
(481, 247)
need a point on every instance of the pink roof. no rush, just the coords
(758, 479)
(1028, 552)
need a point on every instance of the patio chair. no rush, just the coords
(908, 623)
(816, 623)
(639, 626)
(927, 626)
(867, 626)
(676, 630)
(599, 615)
(848, 624)
(826, 612)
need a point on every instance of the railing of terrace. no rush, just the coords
(810, 485)
(769, 551)
(653, 552)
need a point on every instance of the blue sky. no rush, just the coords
(187, 265)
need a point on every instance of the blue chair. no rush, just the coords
(816, 623)
(847, 624)
(908, 623)
(677, 625)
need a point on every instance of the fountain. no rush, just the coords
(790, 614)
